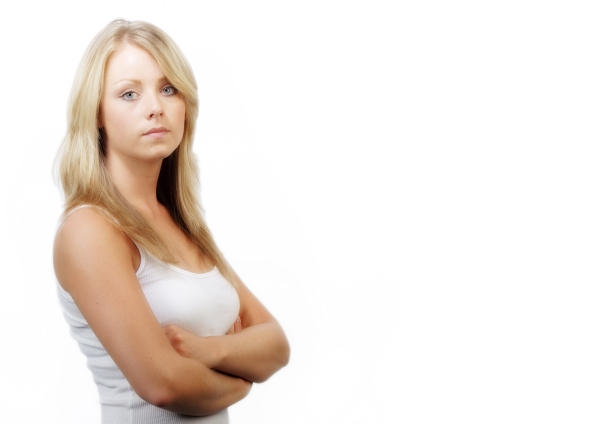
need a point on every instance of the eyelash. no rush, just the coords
(124, 95)
(173, 91)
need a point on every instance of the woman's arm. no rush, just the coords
(95, 262)
(254, 352)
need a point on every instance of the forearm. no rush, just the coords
(254, 348)
(193, 389)
(254, 353)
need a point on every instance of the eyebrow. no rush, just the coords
(138, 82)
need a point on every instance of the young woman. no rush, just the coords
(170, 332)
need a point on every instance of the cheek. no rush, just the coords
(115, 121)
(112, 129)
(181, 117)
(181, 111)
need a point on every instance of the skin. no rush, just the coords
(96, 263)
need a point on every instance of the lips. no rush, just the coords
(157, 131)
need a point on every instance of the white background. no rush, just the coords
(411, 187)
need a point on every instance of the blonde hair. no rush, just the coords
(83, 176)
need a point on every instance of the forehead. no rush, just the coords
(131, 62)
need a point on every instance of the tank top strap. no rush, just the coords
(142, 251)
(101, 210)
(80, 207)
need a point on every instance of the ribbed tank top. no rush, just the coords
(205, 304)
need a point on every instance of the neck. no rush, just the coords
(137, 182)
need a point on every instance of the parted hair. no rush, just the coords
(80, 161)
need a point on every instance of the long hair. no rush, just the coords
(82, 173)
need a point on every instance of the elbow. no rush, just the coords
(155, 385)
(197, 399)
(173, 401)
(163, 401)
(161, 397)
(285, 353)
(162, 394)
(279, 361)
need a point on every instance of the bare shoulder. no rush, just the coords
(93, 262)
(88, 240)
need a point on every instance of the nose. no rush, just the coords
(155, 107)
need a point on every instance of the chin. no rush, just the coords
(162, 152)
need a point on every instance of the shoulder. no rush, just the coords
(88, 239)
(88, 228)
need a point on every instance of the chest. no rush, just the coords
(185, 252)
(205, 304)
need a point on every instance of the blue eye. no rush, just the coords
(128, 95)
(169, 90)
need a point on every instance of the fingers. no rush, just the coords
(173, 334)
(171, 330)
(237, 326)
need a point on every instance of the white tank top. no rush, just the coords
(205, 304)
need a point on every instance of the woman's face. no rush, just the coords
(141, 113)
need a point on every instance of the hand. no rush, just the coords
(179, 339)
(236, 327)
(191, 346)
(202, 349)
